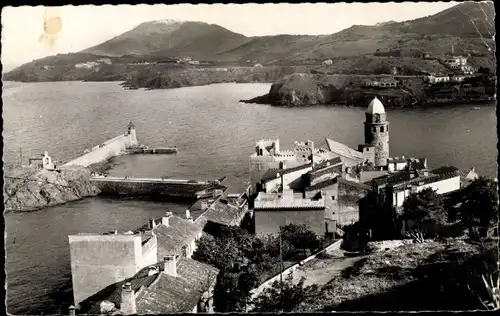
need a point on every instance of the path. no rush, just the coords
(321, 271)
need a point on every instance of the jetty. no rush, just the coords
(152, 187)
(148, 150)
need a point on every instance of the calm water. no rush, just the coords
(214, 134)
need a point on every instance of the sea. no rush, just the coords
(214, 134)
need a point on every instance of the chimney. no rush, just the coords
(188, 214)
(170, 265)
(127, 305)
(72, 311)
(152, 223)
(165, 219)
(204, 205)
(152, 270)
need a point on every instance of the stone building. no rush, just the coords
(391, 191)
(173, 285)
(100, 260)
(377, 132)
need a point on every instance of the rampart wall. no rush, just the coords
(166, 188)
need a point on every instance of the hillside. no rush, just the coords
(171, 38)
(459, 28)
(413, 277)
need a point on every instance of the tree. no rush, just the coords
(424, 207)
(479, 211)
(300, 237)
(484, 70)
(279, 297)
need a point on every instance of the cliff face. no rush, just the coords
(31, 189)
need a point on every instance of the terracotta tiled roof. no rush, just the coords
(178, 234)
(327, 163)
(222, 213)
(273, 173)
(403, 177)
(234, 185)
(177, 294)
(355, 184)
(162, 293)
(322, 185)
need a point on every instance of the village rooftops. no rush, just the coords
(416, 177)
(234, 187)
(160, 292)
(287, 200)
(221, 213)
(327, 163)
(172, 238)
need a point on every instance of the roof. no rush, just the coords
(327, 163)
(222, 213)
(162, 293)
(344, 151)
(178, 234)
(322, 185)
(284, 201)
(271, 174)
(234, 185)
(375, 107)
(177, 294)
(403, 177)
(397, 160)
(355, 184)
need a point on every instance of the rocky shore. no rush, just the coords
(306, 89)
(29, 189)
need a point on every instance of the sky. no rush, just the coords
(85, 26)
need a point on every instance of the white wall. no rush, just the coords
(441, 187)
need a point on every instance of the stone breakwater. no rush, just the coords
(30, 189)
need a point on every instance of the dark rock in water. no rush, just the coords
(39, 188)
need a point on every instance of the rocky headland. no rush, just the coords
(29, 189)
(308, 89)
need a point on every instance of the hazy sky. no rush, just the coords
(85, 26)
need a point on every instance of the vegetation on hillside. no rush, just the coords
(246, 260)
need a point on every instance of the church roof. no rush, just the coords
(344, 151)
(376, 107)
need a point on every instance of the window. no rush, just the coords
(374, 129)
(333, 198)
(387, 128)
(381, 129)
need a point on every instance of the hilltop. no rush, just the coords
(465, 27)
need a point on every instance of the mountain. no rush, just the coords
(167, 38)
(433, 34)
(464, 28)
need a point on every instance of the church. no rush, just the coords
(340, 182)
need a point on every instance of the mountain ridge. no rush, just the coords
(464, 28)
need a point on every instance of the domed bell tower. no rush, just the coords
(377, 131)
